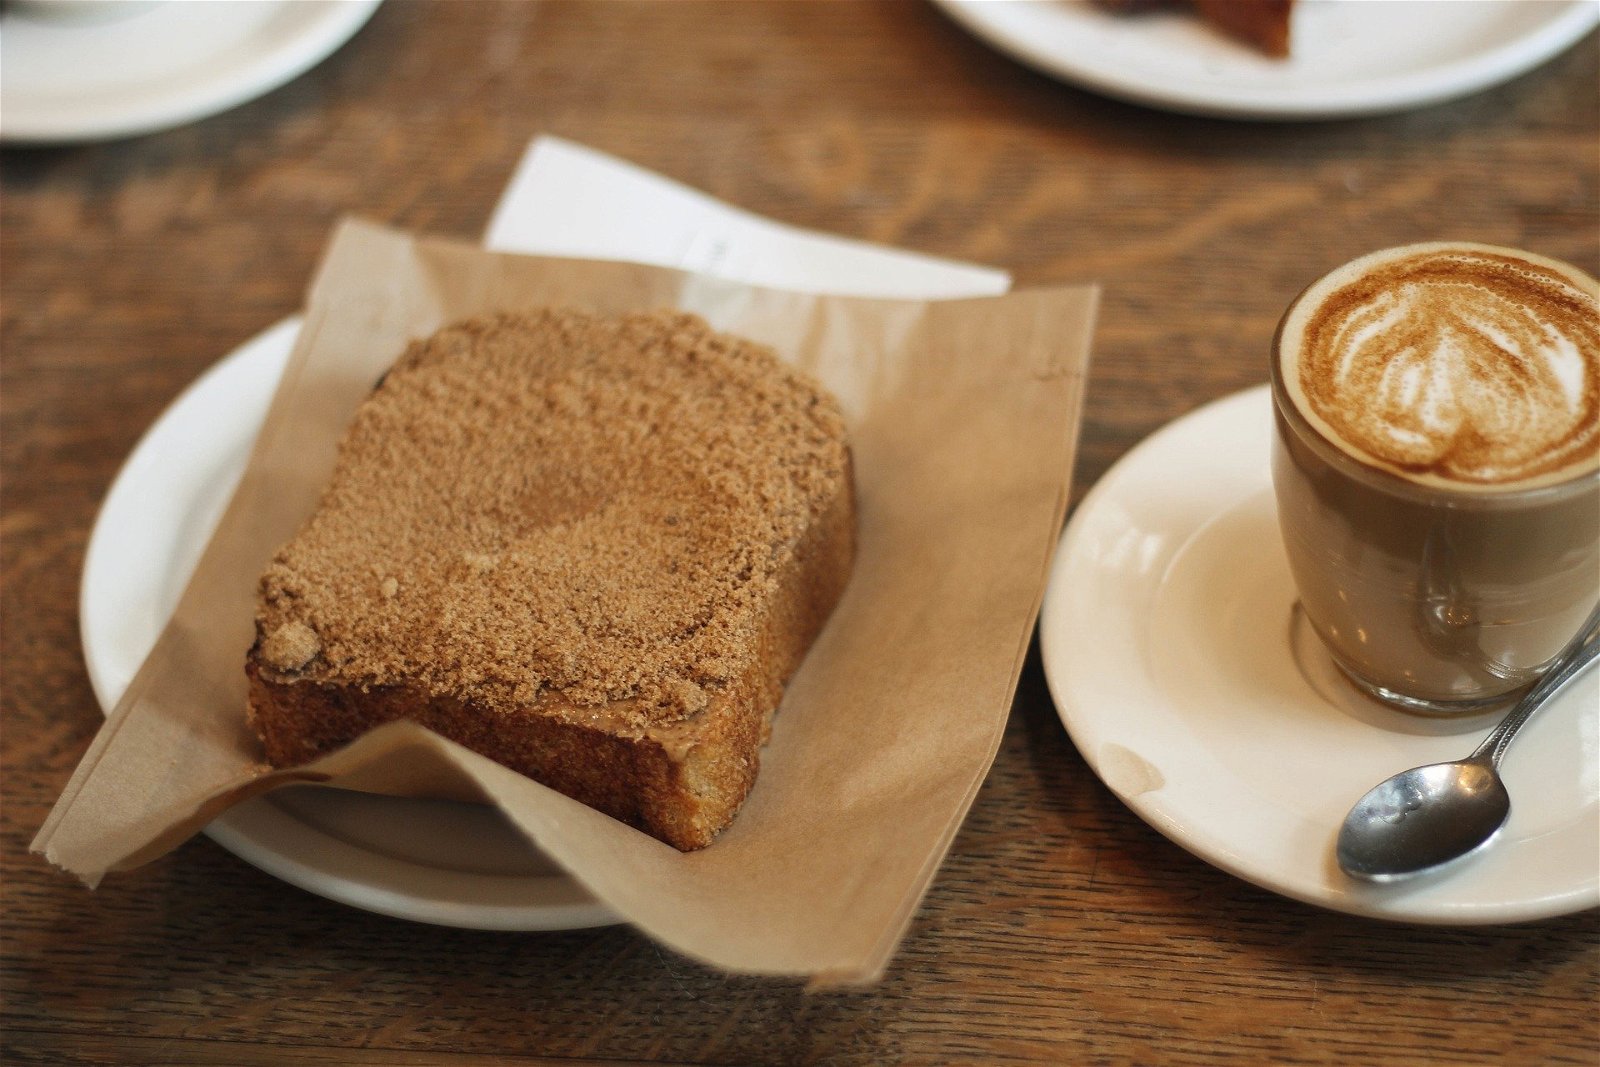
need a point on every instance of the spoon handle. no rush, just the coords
(1578, 654)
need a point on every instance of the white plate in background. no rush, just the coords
(1166, 636)
(431, 861)
(154, 64)
(1350, 57)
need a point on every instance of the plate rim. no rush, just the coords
(240, 831)
(1149, 807)
(1483, 70)
(327, 25)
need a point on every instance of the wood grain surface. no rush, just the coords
(1062, 929)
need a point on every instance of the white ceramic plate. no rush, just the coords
(1349, 57)
(1166, 634)
(111, 71)
(432, 861)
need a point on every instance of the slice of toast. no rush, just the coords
(591, 549)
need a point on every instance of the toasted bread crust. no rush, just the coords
(676, 771)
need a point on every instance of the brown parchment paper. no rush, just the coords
(963, 418)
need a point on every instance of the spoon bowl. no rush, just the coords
(1423, 818)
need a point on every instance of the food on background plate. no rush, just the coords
(1261, 24)
(592, 549)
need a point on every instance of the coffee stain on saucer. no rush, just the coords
(1128, 773)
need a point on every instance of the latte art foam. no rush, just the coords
(1458, 363)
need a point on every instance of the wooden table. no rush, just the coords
(1062, 929)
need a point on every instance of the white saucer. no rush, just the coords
(1349, 57)
(154, 64)
(437, 862)
(1166, 634)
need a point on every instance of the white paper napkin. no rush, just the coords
(568, 200)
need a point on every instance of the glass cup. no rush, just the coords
(1433, 597)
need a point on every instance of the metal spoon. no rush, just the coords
(1428, 816)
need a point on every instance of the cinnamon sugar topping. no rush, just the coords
(291, 646)
(576, 510)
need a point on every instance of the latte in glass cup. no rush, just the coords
(1437, 467)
